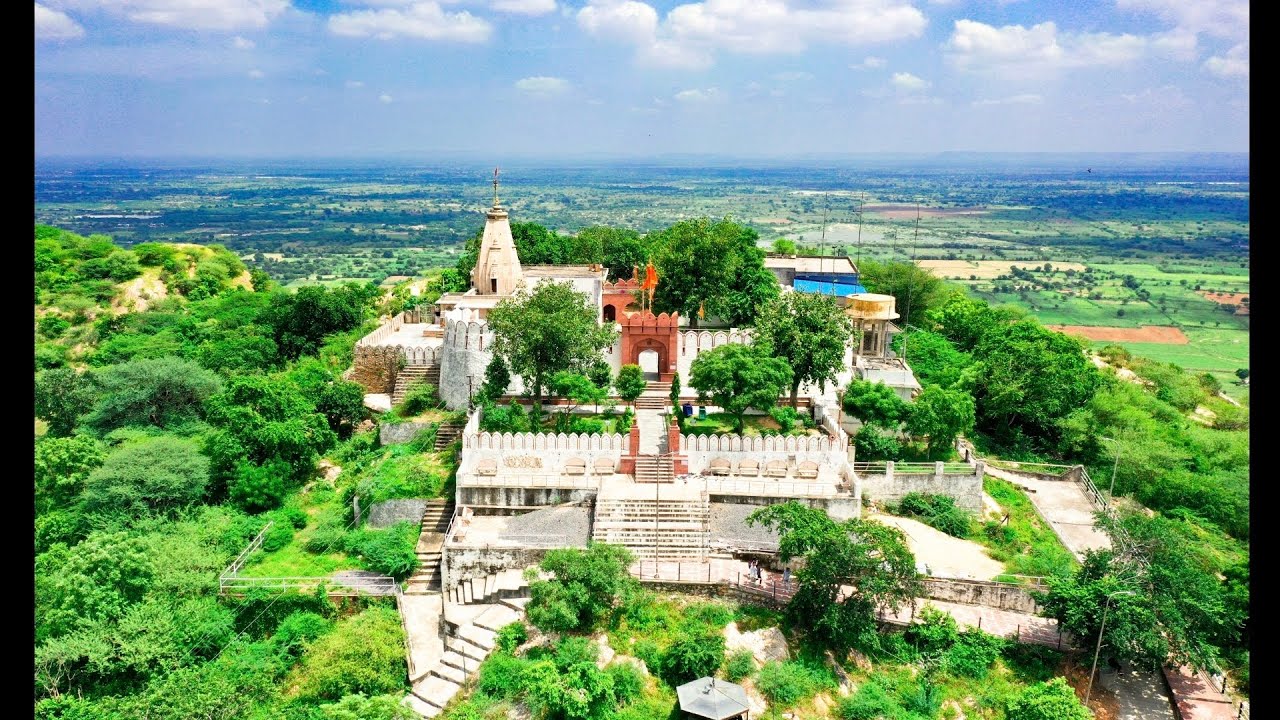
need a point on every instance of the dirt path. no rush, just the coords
(942, 554)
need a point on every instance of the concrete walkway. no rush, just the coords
(422, 627)
(941, 553)
(653, 431)
(1139, 694)
(1065, 505)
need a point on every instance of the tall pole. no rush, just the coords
(1098, 648)
(1115, 444)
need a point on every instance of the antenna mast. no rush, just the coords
(861, 199)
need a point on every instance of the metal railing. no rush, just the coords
(356, 586)
(525, 480)
(240, 560)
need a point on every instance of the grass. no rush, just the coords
(753, 425)
(1026, 545)
(294, 560)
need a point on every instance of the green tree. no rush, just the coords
(810, 332)
(965, 321)
(546, 331)
(1029, 379)
(622, 249)
(851, 569)
(496, 379)
(578, 388)
(586, 586)
(940, 415)
(630, 383)
(692, 656)
(162, 391)
(301, 320)
(874, 403)
(97, 580)
(61, 467)
(934, 359)
(62, 395)
(783, 246)
(359, 707)
(342, 404)
(363, 654)
(1050, 700)
(737, 377)
(916, 290)
(712, 263)
(149, 476)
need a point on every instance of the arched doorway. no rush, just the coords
(648, 362)
(610, 314)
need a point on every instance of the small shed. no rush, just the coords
(715, 699)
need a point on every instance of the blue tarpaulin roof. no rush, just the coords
(828, 283)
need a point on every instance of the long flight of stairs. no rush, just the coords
(412, 375)
(435, 522)
(654, 468)
(656, 396)
(682, 527)
(471, 630)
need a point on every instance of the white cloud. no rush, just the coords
(54, 25)
(919, 100)
(525, 7)
(242, 43)
(191, 14)
(354, 84)
(423, 20)
(385, 99)
(1023, 99)
(256, 74)
(698, 96)
(1156, 101)
(1234, 64)
(1018, 50)
(692, 33)
(871, 62)
(1222, 18)
(908, 83)
(628, 21)
(541, 85)
(792, 76)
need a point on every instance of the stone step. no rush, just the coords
(478, 636)
(436, 690)
(458, 646)
(420, 706)
(448, 672)
(496, 618)
(515, 603)
(462, 663)
(468, 596)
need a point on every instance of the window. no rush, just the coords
(493, 285)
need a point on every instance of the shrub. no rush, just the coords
(359, 707)
(392, 551)
(297, 631)
(260, 487)
(328, 536)
(295, 516)
(923, 699)
(785, 417)
(934, 632)
(740, 665)
(787, 683)
(363, 653)
(937, 511)
(1052, 700)
(420, 398)
(158, 474)
(872, 443)
(628, 683)
(691, 657)
(280, 534)
(502, 676)
(647, 651)
(510, 637)
(870, 702)
(52, 325)
(973, 653)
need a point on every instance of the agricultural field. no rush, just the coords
(1155, 246)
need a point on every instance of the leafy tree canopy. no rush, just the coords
(163, 392)
(737, 377)
(810, 332)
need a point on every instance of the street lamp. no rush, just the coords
(1098, 649)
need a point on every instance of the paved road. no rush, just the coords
(1139, 694)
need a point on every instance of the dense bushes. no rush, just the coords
(390, 551)
(937, 511)
(363, 654)
(787, 683)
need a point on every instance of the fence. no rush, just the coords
(768, 488)
(529, 480)
(231, 583)
(239, 562)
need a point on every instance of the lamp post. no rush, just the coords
(1098, 648)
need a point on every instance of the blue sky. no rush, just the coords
(553, 78)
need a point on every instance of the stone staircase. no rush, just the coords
(471, 631)
(447, 433)
(492, 588)
(654, 468)
(412, 375)
(655, 396)
(682, 527)
(435, 521)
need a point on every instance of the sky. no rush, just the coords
(625, 78)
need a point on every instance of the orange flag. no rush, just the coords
(650, 277)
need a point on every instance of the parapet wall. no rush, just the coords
(701, 449)
(889, 486)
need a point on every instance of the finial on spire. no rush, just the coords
(495, 187)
